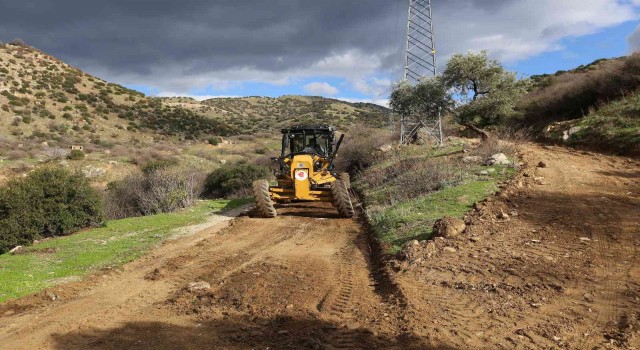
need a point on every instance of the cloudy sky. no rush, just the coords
(349, 49)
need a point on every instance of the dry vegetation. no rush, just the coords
(574, 94)
(251, 115)
(594, 106)
(46, 106)
(45, 100)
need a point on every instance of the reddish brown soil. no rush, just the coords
(305, 279)
(563, 271)
(301, 280)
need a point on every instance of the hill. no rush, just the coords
(593, 106)
(43, 99)
(255, 114)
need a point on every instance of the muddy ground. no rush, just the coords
(559, 270)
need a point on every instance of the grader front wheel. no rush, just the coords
(346, 178)
(341, 198)
(264, 204)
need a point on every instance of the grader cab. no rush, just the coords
(306, 172)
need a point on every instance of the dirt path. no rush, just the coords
(560, 272)
(300, 280)
(563, 271)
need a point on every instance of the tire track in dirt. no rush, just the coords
(338, 299)
(561, 272)
(306, 279)
(267, 278)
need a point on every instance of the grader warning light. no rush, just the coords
(306, 172)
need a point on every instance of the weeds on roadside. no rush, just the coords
(160, 189)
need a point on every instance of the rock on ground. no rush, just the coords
(449, 227)
(200, 285)
(16, 250)
(498, 159)
(471, 159)
(385, 148)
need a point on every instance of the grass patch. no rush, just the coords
(615, 126)
(395, 222)
(120, 241)
(414, 218)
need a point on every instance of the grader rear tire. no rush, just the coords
(341, 198)
(264, 204)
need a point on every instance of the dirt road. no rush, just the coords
(298, 281)
(560, 270)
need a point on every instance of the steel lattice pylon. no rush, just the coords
(420, 61)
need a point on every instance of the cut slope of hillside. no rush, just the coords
(44, 99)
(614, 127)
(253, 114)
(593, 106)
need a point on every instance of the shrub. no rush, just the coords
(158, 164)
(415, 177)
(48, 202)
(18, 42)
(360, 147)
(17, 154)
(75, 154)
(232, 179)
(250, 138)
(571, 95)
(56, 153)
(214, 141)
(430, 176)
(156, 191)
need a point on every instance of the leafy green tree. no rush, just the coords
(428, 97)
(488, 92)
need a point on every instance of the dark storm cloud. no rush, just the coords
(179, 46)
(136, 36)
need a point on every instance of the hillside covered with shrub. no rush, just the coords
(42, 99)
(595, 105)
(254, 114)
(45, 100)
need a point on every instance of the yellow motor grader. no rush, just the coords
(306, 172)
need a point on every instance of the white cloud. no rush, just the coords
(517, 30)
(321, 88)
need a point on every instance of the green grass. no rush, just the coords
(395, 223)
(414, 218)
(118, 242)
(615, 126)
